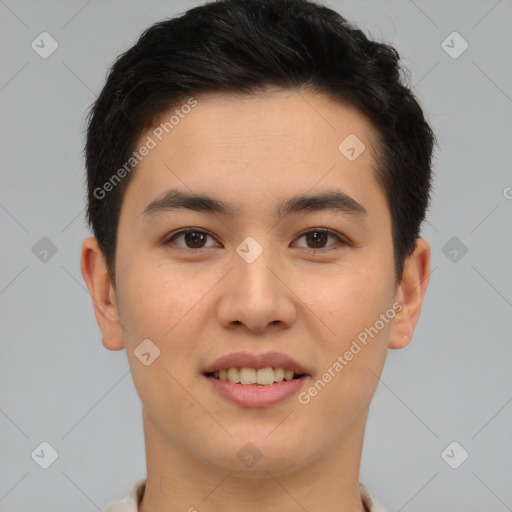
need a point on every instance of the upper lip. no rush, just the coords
(257, 361)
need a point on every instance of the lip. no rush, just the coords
(257, 361)
(251, 395)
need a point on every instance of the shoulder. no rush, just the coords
(370, 501)
(130, 502)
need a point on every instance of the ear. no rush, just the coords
(410, 295)
(97, 279)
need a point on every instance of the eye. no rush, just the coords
(318, 238)
(193, 238)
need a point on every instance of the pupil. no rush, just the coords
(194, 237)
(314, 237)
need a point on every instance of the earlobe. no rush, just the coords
(410, 295)
(97, 279)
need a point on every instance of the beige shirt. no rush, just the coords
(130, 503)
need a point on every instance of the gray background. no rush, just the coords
(57, 382)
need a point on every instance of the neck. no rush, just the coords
(177, 481)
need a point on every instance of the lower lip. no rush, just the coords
(251, 395)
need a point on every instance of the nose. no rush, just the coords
(257, 296)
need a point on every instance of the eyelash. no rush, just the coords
(173, 236)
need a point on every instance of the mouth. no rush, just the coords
(255, 376)
(256, 380)
(250, 393)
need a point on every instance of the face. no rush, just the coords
(258, 281)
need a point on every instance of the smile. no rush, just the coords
(253, 388)
(261, 377)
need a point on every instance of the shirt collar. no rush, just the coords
(131, 502)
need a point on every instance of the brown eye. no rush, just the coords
(192, 238)
(316, 239)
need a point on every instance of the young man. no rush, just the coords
(257, 178)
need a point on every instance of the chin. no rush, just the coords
(264, 468)
(259, 457)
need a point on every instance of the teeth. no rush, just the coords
(247, 376)
(262, 376)
(233, 375)
(288, 375)
(278, 374)
(265, 376)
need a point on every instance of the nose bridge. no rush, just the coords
(254, 280)
(255, 294)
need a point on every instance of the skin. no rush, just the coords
(253, 153)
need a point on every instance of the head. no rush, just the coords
(254, 103)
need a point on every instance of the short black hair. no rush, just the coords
(241, 47)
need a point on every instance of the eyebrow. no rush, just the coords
(335, 201)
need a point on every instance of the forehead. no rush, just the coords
(283, 121)
(254, 147)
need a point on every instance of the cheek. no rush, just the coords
(158, 297)
(353, 350)
(162, 304)
(165, 303)
(353, 300)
